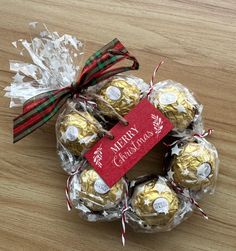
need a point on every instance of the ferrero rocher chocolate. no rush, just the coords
(96, 195)
(194, 166)
(78, 131)
(175, 102)
(120, 95)
(155, 202)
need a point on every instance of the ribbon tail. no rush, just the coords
(101, 68)
(34, 116)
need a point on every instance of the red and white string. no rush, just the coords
(192, 200)
(203, 135)
(68, 201)
(153, 77)
(67, 188)
(123, 215)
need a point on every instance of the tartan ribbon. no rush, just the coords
(41, 108)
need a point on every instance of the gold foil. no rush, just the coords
(78, 132)
(174, 104)
(119, 94)
(96, 195)
(194, 166)
(155, 202)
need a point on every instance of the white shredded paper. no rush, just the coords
(54, 65)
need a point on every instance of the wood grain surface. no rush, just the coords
(196, 38)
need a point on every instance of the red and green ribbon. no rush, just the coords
(41, 108)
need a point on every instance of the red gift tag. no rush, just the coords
(112, 159)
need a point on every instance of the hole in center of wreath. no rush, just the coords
(151, 163)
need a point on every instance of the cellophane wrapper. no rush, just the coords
(140, 225)
(116, 96)
(78, 127)
(206, 150)
(133, 80)
(94, 200)
(187, 100)
(53, 64)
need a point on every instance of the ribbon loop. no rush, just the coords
(41, 108)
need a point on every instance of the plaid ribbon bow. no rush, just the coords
(39, 109)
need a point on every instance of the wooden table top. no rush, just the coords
(196, 38)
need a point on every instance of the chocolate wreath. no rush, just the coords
(94, 104)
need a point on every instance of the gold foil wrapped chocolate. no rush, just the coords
(96, 195)
(78, 131)
(175, 102)
(119, 94)
(193, 166)
(155, 202)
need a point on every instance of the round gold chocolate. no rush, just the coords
(155, 202)
(120, 95)
(96, 195)
(78, 131)
(174, 104)
(194, 166)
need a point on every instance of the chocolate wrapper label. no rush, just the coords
(161, 205)
(204, 170)
(113, 93)
(72, 133)
(101, 187)
(168, 98)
